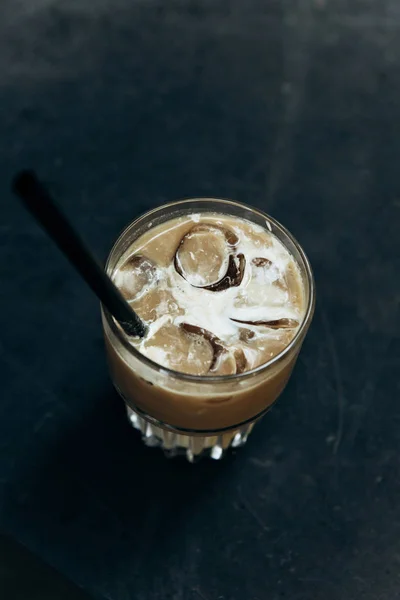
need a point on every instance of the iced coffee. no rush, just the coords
(227, 296)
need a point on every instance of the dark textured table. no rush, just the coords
(293, 106)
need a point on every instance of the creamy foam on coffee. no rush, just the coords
(220, 294)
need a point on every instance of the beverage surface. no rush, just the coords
(221, 295)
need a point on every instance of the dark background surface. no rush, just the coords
(293, 106)
(24, 576)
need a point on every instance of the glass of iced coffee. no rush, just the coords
(227, 295)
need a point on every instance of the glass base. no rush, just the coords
(193, 447)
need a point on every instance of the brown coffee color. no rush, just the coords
(220, 294)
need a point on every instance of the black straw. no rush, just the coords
(42, 207)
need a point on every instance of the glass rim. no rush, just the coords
(308, 281)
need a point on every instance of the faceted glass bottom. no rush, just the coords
(193, 447)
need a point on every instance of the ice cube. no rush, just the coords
(173, 348)
(234, 274)
(225, 361)
(265, 286)
(226, 364)
(231, 361)
(268, 346)
(264, 271)
(204, 257)
(156, 303)
(136, 276)
(215, 343)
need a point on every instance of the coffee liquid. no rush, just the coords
(220, 294)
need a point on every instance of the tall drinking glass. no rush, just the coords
(199, 415)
